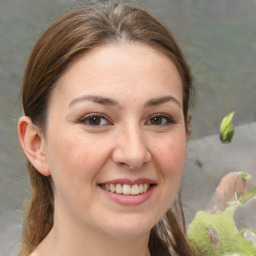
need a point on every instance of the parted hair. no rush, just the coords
(67, 39)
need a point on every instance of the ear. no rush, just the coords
(33, 144)
(188, 128)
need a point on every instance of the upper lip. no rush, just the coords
(130, 182)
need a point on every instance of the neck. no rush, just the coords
(68, 239)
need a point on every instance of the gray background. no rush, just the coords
(219, 41)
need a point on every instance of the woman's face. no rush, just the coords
(115, 140)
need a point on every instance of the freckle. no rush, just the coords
(139, 224)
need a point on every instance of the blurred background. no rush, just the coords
(219, 40)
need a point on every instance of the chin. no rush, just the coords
(130, 227)
(131, 234)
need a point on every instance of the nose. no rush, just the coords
(131, 149)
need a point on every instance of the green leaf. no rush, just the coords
(227, 129)
(245, 176)
(241, 198)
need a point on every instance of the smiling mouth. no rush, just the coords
(126, 189)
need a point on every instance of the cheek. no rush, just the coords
(171, 153)
(75, 161)
(170, 158)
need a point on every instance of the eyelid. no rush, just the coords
(170, 119)
(100, 115)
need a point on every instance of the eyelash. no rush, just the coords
(86, 119)
(168, 120)
(99, 117)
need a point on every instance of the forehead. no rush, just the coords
(121, 68)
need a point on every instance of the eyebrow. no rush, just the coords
(111, 102)
(161, 100)
(96, 99)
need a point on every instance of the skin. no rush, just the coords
(125, 143)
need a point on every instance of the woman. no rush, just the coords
(106, 95)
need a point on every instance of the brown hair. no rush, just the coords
(64, 41)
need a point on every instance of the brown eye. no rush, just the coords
(157, 120)
(160, 120)
(94, 120)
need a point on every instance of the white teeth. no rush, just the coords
(135, 190)
(141, 188)
(145, 188)
(112, 188)
(119, 189)
(126, 189)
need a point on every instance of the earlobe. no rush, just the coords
(33, 144)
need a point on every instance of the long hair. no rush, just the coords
(64, 41)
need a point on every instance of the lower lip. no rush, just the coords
(129, 200)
